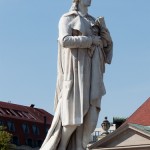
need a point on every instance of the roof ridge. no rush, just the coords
(10, 103)
(17, 111)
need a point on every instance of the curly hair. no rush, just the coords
(76, 1)
(74, 6)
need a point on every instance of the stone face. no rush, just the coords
(84, 46)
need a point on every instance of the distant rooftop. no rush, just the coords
(142, 115)
(29, 113)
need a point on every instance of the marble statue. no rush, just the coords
(84, 47)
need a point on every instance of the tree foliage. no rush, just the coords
(118, 121)
(5, 139)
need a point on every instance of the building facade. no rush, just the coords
(134, 134)
(28, 125)
(99, 131)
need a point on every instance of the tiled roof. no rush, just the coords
(142, 115)
(24, 112)
(145, 129)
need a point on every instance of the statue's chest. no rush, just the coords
(83, 26)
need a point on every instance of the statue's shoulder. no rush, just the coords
(70, 14)
(67, 17)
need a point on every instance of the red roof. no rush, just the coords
(142, 115)
(24, 112)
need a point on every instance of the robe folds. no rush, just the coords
(80, 86)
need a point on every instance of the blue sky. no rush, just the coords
(28, 53)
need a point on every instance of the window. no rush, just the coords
(1, 112)
(29, 142)
(15, 140)
(1, 123)
(6, 111)
(25, 128)
(39, 143)
(19, 113)
(10, 112)
(35, 143)
(11, 126)
(35, 130)
(31, 116)
(25, 114)
(13, 112)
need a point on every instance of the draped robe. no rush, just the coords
(79, 80)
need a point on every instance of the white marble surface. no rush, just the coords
(84, 46)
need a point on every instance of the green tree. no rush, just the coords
(118, 121)
(5, 139)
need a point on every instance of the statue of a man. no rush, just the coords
(84, 46)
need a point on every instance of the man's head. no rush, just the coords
(76, 1)
(75, 4)
(84, 2)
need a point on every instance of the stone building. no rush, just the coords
(134, 134)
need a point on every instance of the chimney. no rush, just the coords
(32, 105)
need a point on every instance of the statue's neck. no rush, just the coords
(82, 10)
